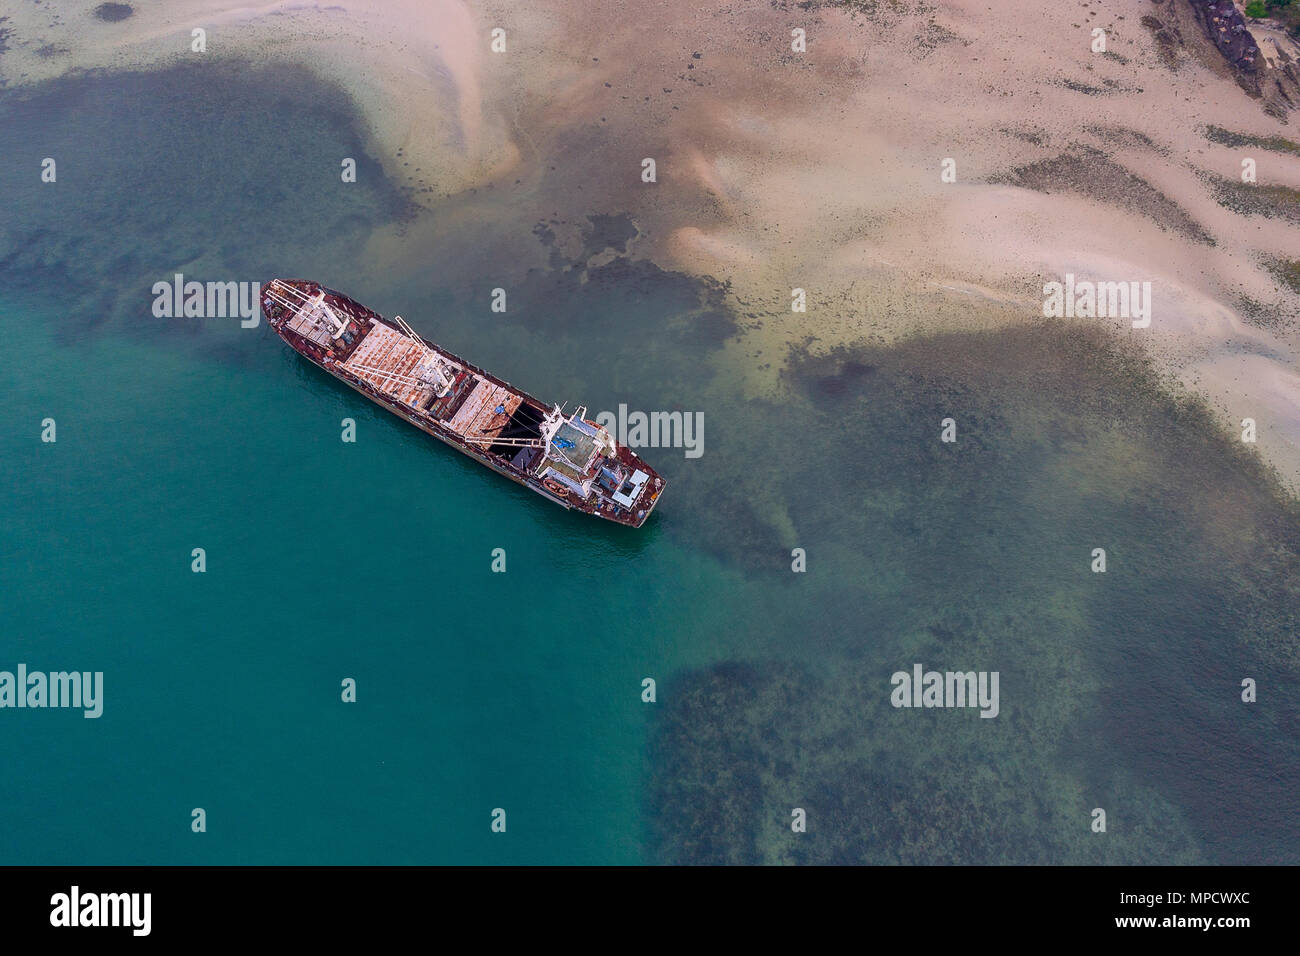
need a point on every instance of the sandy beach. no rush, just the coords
(818, 170)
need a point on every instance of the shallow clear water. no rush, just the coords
(522, 690)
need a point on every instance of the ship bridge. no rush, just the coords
(574, 448)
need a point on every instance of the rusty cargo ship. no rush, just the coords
(570, 460)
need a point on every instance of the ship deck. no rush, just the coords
(473, 407)
(387, 359)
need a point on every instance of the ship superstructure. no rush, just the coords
(569, 459)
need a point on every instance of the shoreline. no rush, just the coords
(818, 171)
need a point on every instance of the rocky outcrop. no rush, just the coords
(1226, 27)
(1277, 83)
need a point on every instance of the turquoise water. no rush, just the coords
(522, 690)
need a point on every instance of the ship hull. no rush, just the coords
(280, 303)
